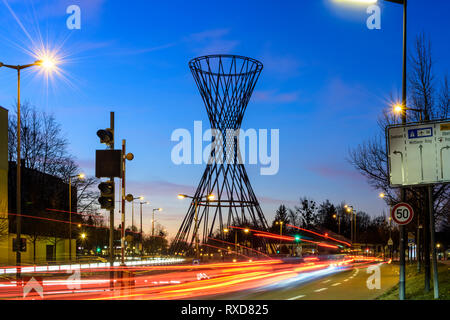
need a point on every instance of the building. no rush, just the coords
(44, 210)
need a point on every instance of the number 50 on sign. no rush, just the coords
(402, 213)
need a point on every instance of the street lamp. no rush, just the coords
(153, 220)
(246, 231)
(403, 104)
(281, 231)
(398, 108)
(142, 243)
(47, 64)
(208, 198)
(80, 176)
(336, 216)
(131, 198)
(352, 212)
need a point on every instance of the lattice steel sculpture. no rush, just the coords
(226, 83)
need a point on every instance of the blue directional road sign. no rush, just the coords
(420, 133)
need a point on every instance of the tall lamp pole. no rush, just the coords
(195, 201)
(141, 238)
(47, 64)
(153, 220)
(402, 190)
(79, 176)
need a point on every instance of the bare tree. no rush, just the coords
(370, 157)
(3, 228)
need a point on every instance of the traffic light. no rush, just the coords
(106, 199)
(106, 136)
(297, 238)
(98, 250)
(23, 245)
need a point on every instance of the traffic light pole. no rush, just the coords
(123, 204)
(111, 212)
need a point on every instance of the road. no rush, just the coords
(309, 278)
(348, 284)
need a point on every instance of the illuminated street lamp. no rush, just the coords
(209, 197)
(336, 216)
(142, 244)
(352, 212)
(281, 230)
(404, 3)
(48, 64)
(80, 176)
(153, 220)
(399, 109)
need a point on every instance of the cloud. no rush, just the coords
(331, 171)
(285, 66)
(160, 188)
(272, 96)
(211, 42)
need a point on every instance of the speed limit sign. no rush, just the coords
(402, 213)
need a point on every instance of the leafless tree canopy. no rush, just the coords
(44, 148)
(370, 157)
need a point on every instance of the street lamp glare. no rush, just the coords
(81, 176)
(47, 63)
(159, 209)
(181, 196)
(210, 197)
(398, 108)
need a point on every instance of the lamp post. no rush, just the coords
(142, 243)
(79, 176)
(195, 200)
(153, 220)
(131, 198)
(352, 212)
(404, 109)
(281, 231)
(336, 216)
(47, 64)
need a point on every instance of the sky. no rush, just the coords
(326, 79)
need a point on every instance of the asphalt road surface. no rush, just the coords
(350, 284)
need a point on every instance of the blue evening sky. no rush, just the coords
(325, 80)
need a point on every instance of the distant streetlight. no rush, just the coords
(336, 216)
(352, 212)
(80, 176)
(281, 230)
(381, 195)
(142, 243)
(153, 220)
(131, 198)
(209, 197)
(48, 64)
(83, 236)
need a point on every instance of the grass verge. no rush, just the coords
(415, 285)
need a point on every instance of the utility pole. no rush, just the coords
(123, 205)
(433, 243)
(111, 211)
(402, 239)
